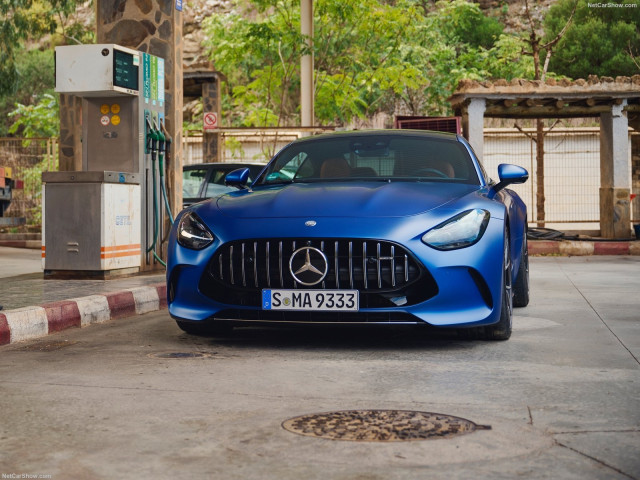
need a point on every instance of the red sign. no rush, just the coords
(210, 121)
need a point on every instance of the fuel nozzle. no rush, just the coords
(160, 137)
(152, 137)
(167, 138)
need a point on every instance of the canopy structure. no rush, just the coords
(616, 102)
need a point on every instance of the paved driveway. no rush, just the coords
(562, 397)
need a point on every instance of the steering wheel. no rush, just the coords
(434, 171)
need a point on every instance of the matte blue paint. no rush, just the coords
(396, 211)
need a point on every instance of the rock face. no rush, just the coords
(194, 13)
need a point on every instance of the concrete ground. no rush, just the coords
(22, 283)
(562, 396)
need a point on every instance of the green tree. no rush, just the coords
(369, 57)
(602, 39)
(40, 119)
(26, 61)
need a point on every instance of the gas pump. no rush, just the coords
(107, 219)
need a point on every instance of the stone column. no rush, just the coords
(70, 143)
(473, 124)
(211, 138)
(155, 27)
(614, 173)
(635, 178)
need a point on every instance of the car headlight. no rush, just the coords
(460, 231)
(192, 233)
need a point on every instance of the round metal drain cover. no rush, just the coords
(180, 355)
(380, 425)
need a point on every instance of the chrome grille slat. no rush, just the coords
(255, 263)
(336, 267)
(244, 277)
(251, 265)
(393, 266)
(351, 265)
(379, 272)
(364, 264)
(231, 265)
(324, 285)
(406, 268)
(267, 265)
(280, 263)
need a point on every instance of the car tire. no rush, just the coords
(205, 328)
(521, 284)
(502, 329)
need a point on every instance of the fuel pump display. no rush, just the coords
(108, 218)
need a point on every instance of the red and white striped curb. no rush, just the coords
(575, 247)
(32, 322)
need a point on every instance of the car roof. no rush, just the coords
(377, 133)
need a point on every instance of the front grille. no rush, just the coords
(365, 265)
(380, 270)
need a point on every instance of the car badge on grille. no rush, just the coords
(308, 266)
(310, 223)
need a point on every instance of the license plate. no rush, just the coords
(310, 300)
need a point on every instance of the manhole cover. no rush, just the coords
(180, 355)
(380, 425)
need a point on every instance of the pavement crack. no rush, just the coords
(530, 415)
(604, 464)
(627, 430)
(598, 315)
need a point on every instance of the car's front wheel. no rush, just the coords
(502, 329)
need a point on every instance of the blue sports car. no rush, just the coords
(385, 227)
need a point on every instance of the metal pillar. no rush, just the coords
(306, 65)
(211, 138)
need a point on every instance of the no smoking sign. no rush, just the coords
(210, 121)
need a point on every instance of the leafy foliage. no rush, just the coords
(26, 71)
(600, 40)
(369, 57)
(40, 119)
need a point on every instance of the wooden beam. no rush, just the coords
(546, 111)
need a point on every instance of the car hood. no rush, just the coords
(353, 199)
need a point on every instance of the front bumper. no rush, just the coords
(456, 288)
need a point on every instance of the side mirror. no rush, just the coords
(509, 174)
(237, 178)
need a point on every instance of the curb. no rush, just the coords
(28, 323)
(575, 248)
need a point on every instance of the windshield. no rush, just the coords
(375, 158)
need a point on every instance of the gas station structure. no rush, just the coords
(112, 135)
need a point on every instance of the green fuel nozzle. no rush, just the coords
(160, 136)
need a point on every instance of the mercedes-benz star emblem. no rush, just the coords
(308, 266)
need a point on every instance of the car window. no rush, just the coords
(381, 157)
(191, 182)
